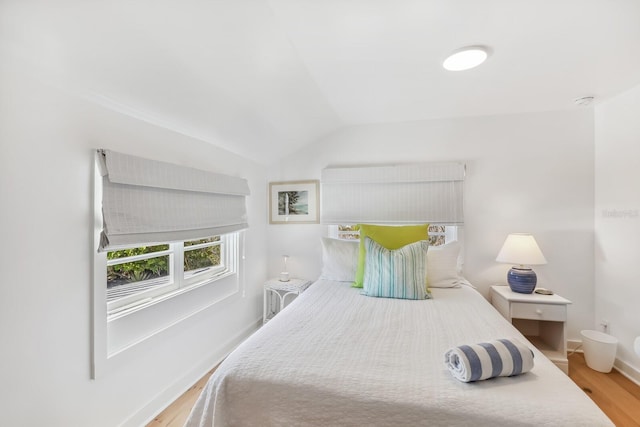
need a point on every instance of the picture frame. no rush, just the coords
(294, 202)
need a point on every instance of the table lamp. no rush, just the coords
(522, 250)
(284, 275)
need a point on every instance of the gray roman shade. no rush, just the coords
(147, 201)
(428, 192)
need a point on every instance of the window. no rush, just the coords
(438, 234)
(142, 275)
(140, 202)
(442, 234)
(151, 268)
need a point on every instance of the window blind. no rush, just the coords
(146, 201)
(428, 192)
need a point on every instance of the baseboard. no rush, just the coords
(621, 366)
(574, 346)
(162, 400)
(627, 370)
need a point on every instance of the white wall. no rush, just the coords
(47, 140)
(525, 173)
(617, 221)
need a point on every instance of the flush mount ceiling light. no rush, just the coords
(466, 58)
(584, 101)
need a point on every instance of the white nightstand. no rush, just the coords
(281, 290)
(541, 318)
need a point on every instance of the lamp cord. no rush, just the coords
(574, 350)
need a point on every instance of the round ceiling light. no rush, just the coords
(466, 58)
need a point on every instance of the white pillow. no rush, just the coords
(339, 259)
(442, 266)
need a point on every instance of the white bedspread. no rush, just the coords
(337, 358)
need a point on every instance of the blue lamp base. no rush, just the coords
(522, 280)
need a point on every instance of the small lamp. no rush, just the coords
(522, 250)
(284, 275)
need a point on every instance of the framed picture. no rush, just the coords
(295, 202)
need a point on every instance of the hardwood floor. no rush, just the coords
(176, 414)
(617, 396)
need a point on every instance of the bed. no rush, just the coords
(335, 357)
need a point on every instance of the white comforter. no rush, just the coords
(337, 358)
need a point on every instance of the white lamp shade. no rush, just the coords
(521, 249)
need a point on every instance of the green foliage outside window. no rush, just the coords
(136, 271)
(155, 267)
(201, 258)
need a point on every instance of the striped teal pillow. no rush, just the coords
(400, 273)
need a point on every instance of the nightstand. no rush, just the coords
(276, 290)
(541, 318)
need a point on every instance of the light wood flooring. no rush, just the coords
(176, 414)
(618, 397)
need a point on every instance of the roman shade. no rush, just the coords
(146, 201)
(428, 192)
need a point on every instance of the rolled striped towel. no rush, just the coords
(499, 358)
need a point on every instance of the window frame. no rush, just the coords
(134, 299)
(226, 260)
(178, 281)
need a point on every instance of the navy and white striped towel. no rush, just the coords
(499, 358)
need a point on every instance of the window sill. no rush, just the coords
(151, 301)
(127, 331)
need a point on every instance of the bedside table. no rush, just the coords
(280, 290)
(540, 318)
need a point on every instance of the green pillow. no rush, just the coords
(389, 237)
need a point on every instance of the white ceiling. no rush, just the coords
(263, 78)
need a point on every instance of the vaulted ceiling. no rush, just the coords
(263, 78)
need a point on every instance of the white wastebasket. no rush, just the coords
(599, 350)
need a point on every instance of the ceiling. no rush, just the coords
(263, 78)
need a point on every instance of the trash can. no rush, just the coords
(599, 350)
